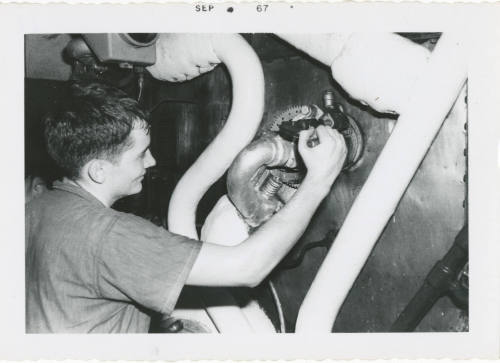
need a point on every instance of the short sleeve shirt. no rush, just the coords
(90, 268)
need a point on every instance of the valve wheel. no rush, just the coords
(353, 135)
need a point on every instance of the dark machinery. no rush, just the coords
(291, 121)
(116, 58)
(449, 276)
(266, 174)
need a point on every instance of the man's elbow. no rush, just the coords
(250, 276)
(254, 281)
(251, 281)
(245, 267)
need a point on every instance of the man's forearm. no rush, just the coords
(271, 242)
(248, 263)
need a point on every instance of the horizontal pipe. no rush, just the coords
(378, 69)
(434, 93)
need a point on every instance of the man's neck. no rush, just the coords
(97, 192)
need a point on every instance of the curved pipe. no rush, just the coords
(420, 121)
(225, 312)
(244, 177)
(378, 69)
(246, 113)
(196, 54)
(243, 190)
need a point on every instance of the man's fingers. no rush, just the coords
(330, 130)
(322, 133)
(304, 136)
(327, 134)
(337, 137)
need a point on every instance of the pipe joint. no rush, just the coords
(252, 187)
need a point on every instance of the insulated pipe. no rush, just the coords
(433, 95)
(196, 54)
(243, 121)
(224, 226)
(377, 69)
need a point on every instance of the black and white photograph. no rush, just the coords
(183, 184)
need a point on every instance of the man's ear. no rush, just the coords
(97, 170)
(38, 185)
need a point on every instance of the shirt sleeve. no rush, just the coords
(143, 263)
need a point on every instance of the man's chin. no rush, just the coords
(137, 189)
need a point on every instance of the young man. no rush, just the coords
(90, 268)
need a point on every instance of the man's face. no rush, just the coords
(126, 174)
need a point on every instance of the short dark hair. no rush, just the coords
(94, 122)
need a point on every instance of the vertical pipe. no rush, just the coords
(419, 122)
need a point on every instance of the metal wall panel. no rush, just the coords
(422, 229)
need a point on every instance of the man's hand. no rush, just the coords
(325, 160)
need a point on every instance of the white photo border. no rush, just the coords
(481, 33)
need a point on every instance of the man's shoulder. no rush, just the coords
(60, 202)
(60, 212)
(58, 215)
(135, 223)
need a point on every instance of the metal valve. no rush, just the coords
(266, 174)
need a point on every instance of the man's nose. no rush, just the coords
(150, 160)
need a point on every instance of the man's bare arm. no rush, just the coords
(248, 263)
